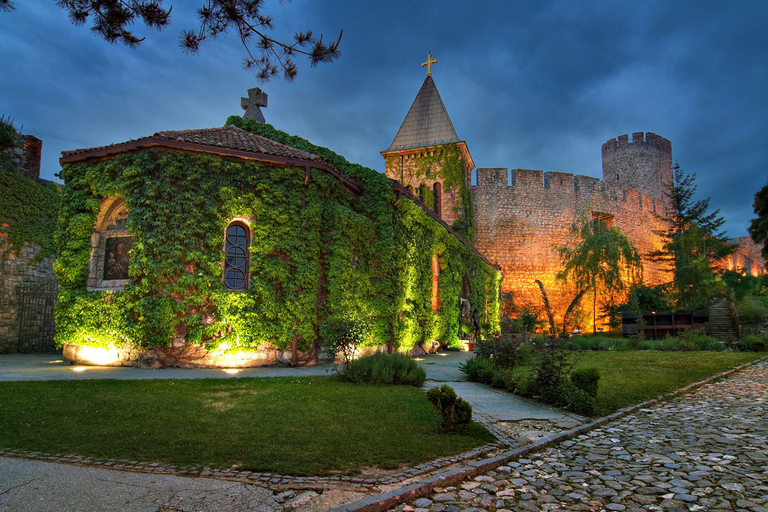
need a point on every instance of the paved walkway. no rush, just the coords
(703, 450)
(34, 485)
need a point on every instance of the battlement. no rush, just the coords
(638, 138)
(557, 189)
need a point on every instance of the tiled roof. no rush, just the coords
(226, 137)
(427, 122)
(232, 137)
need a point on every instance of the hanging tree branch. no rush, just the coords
(266, 55)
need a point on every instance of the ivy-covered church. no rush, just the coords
(231, 246)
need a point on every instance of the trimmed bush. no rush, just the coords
(451, 411)
(384, 369)
(586, 379)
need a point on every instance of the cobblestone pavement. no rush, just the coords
(703, 450)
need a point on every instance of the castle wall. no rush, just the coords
(747, 256)
(519, 225)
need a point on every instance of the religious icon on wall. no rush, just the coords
(116, 257)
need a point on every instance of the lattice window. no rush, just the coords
(236, 256)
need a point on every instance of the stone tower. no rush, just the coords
(425, 142)
(645, 164)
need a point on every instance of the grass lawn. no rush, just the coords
(295, 426)
(632, 377)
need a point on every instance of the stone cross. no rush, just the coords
(429, 63)
(256, 98)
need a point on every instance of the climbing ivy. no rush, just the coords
(27, 208)
(317, 251)
(444, 162)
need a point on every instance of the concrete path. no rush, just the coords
(33, 485)
(492, 405)
(29, 485)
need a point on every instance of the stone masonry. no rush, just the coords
(523, 215)
(18, 269)
(16, 265)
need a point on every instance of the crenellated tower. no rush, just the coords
(644, 164)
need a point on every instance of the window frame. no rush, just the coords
(244, 267)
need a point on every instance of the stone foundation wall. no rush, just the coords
(183, 356)
(16, 269)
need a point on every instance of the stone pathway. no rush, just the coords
(703, 450)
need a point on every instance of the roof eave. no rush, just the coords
(159, 142)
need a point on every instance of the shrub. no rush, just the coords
(505, 350)
(570, 397)
(477, 369)
(586, 379)
(451, 411)
(525, 386)
(699, 341)
(552, 365)
(753, 343)
(342, 336)
(752, 311)
(384, 369)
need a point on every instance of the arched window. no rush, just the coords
(236, 257)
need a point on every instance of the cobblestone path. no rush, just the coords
(704, 450)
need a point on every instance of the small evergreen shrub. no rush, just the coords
(451, 410)
(586, 379)
(752, 343)
(384, 369)
(570, 397)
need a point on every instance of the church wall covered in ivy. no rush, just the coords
(230, 246)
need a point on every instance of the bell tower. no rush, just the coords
(427, 157)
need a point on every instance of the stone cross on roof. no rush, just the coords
(256, 98)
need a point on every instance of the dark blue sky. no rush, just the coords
(528, 84)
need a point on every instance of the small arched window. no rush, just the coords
(437, 189)
(236, 257)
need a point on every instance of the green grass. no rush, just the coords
(632, 377)
(295, 426)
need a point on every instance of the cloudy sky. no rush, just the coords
(528, 84)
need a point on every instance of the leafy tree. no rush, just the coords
(758, 228)
(692, 242)
(601, 259)
(111, 20)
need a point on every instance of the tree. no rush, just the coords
(758, 228)
(599, 258)
(691, 244)
(112, 19)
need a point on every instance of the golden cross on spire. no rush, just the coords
(429, 63)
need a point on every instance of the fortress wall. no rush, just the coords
(747, 256)
(518, 225)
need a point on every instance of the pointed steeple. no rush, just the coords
(427, 122)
